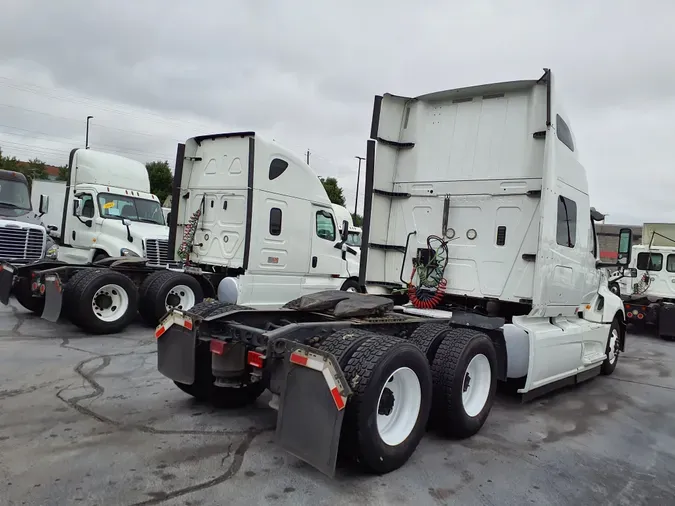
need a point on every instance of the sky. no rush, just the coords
(153, 73)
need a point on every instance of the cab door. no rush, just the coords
(325, 260)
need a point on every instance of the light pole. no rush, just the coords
(86, 138)
(358, 177)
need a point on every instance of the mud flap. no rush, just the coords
(6, 282)
(176, 349)
(311, 408)
(53, 298)
(667, 320)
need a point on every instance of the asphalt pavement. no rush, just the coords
(89, 420)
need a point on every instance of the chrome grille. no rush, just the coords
(157, 251)
(21, 243)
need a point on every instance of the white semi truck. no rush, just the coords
(22, 236)
(477, 223)
(354, 236)
(250, 223)
(648, 285)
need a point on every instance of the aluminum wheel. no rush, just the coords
(613, 352)
(398, 406)
(110, 303)
(180, 297)
(351, 289)
(476, 385)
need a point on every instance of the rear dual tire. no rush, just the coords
(164, 290)
(100, 301)
(463, 365)
(387, 414)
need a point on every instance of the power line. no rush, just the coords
(46, 136)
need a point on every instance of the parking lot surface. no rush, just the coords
(89, 420)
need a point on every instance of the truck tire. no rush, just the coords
(101, 301)
(203, 388)
(387, 414)
(341, 344)
(613, 345)
(351, 285)
(163, 290)
(464, 375)
(24, 295)
(428, 338)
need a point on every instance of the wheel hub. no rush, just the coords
(180, 297)
(386, 402)
(110, 302)
(103, 301)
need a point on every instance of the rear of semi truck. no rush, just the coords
(454, 186)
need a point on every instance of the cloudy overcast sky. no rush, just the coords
(155, 72)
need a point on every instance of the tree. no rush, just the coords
(357, 219)
(333, 190)
(161, 179)
(35, 169)
(7, 163)
(63, 173)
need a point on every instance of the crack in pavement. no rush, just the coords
(239, 453)
(159, 496)
(98, 390)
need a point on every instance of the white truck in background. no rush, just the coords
(477, 209)
(104, 209)
(250, 223)
(23, 238)
(354, 237)
(649, 291)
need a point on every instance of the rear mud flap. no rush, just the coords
(311, 409)
(667, 320)
(6, 281)
(53, 298)
(176, 354)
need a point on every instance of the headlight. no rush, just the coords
(53, 252)
(126, 252)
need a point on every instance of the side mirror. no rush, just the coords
(168, 219)
(630, 273)
(344, 232)
(44, 204)
(625, 246)
(126, 222)
(77, 207)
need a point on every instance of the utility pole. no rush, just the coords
(358, 177)
(86, 138)
(308, 157)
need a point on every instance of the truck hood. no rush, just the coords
(145, 230)
(29, 219)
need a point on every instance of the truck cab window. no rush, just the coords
(131, 208)
(670, 263)
(649, 261)
(87, 203)
(563, 132)
(325, 226)
(566, 232)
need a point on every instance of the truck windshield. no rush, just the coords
(14, 198)
(131, 208)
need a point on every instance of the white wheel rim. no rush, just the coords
(351, 289)
(613, 353)
(180, 297)
(110, 303)
(398, 406)
(476, 385)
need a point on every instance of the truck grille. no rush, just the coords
(21, 243)
(157, 251)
